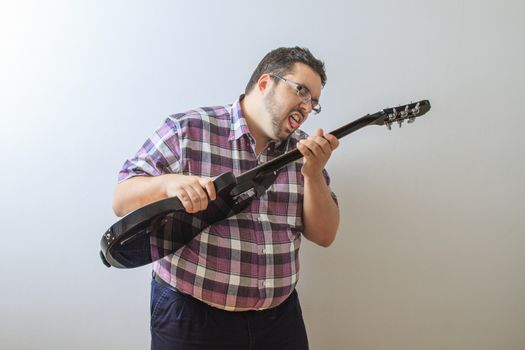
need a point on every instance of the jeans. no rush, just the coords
(181, 322)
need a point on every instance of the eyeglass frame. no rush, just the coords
(316, 106)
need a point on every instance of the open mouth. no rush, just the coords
(295, 119)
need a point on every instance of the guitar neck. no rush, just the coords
(291, 156)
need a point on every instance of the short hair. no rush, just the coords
(281, 62)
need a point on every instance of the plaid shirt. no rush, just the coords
(249, 261)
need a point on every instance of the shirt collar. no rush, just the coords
(239, 126)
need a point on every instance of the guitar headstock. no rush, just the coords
(399, 114)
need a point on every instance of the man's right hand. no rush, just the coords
(194, 192)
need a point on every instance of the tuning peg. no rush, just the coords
(388, 125)
(404, 113)
(411, 119)
(394, 114)
(400, 122)
(415, 110)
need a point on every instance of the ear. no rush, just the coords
(264, 83)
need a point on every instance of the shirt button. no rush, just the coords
(264, 250)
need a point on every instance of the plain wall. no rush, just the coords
(429, 253)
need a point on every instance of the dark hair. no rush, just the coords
(281, 61)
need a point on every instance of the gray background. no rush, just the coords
(429, 254)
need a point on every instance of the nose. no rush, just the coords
(306, 106)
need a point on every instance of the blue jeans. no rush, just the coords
(181, 322)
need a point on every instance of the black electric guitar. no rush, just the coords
(126, 243)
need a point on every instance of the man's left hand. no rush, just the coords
(316, 151)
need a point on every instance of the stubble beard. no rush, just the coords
(277, 117)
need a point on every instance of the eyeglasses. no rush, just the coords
(303, 93)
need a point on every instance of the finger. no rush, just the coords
(313, 145)
(305, 151)
(324, 144)
(185, 200)
(319, 132)
(334, 141)
(203, 197)
(198, 198)
(209, 186)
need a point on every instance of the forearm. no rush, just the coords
(136, 192)
(320, 212)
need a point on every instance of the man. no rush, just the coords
(233, 285)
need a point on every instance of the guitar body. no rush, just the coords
(165, 224)
(127, 243)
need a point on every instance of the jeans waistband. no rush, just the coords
(164, 283)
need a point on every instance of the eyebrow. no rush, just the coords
(310, 91)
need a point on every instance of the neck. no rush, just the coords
(251, 110)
